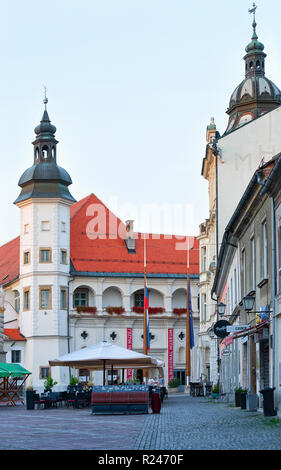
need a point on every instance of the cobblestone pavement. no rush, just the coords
(185, 423)
(188, 423)
(66, 429)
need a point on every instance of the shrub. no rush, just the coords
(174, 383)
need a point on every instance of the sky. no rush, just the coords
(132, 85)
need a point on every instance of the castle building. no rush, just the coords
(75, 276)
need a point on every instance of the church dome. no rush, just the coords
(256, 94)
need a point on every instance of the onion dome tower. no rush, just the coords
(256, 94)
(45, 179)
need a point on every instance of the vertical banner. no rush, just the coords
(170, 354)
(129, 346)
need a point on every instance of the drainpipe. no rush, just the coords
(273, 228)
(68, 326)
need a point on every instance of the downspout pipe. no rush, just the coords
(273, 229)
(68, 326)
(273, 278)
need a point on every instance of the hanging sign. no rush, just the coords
(129, 346)
(170, 354)
(220, 328)
(236, 328)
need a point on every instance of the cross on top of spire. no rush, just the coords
(45, 100)
(253, 11)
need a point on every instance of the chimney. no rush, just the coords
(130, 240)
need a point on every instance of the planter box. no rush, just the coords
(238, 399)
(30, 399)
(243, 400)
(173, 390)
(215, 395)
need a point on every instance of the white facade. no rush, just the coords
(242, 152)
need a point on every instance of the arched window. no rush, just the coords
(45, 152)
(258, 65)
(251, 65)
(53, 153)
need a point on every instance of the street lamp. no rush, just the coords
(221, 308)
(248, 303)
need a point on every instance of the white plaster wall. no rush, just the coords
(242, 152)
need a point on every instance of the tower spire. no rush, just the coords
(253, 11)
(45, 100)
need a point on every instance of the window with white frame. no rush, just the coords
(203, 259)
(63, 298)
(204, 307)
(232, 298)
(253, 264)
(265, 244)
(235, 287)
(17, 301)
(243, 273)
(16, 356)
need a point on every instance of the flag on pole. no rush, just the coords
(146, 305)
(191, 320)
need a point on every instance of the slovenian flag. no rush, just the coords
(191, 320)
(146, 305)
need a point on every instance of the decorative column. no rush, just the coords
(2, 298)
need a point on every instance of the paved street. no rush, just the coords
(185, 423)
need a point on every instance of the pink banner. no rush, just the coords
(170, 354)
(129, 346)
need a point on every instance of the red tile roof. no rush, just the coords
(106, 254)
(14, 334)
(9, 261)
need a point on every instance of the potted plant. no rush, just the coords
(173, 385)
(243, 399)
(29, 393)
(73, 382)
(215, 391)
(238, 392)
(49, 384)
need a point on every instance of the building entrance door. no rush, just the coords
(180, 374)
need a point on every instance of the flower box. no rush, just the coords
(151, 310)
(117, 310)
(86, 310)
(179, 311)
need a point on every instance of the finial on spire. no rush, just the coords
(253, 11)
(45, 100)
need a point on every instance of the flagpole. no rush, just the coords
(187, 347)
(144, 309)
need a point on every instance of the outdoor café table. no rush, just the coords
(10, 389)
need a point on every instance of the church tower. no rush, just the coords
(44, 203)
(256, 94)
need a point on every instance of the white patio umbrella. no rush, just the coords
(104, 356)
